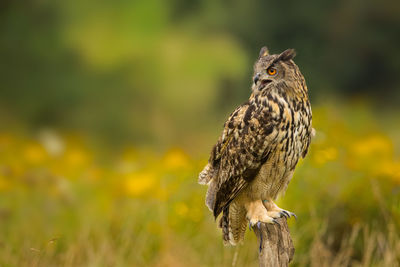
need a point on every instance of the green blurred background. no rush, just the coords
(108, 110)
(168, 72)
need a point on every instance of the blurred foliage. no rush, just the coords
(168, 72)
(118, 70)
(66, 203)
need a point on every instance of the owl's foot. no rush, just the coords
(275, 212)
(256, 212)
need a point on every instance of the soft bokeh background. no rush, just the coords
(108, 111)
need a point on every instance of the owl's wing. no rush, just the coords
(243, 148)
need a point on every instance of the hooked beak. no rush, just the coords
(256, 78)
(263, 82)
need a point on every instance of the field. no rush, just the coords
(109, 109)
(66, 202)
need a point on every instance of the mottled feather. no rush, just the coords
(261, 143)
(244, 148)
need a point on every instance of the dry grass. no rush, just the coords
(83, 207)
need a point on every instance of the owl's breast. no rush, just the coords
(294, 130)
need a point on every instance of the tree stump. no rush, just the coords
(276, 245)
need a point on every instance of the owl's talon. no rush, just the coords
(285, 214)
(275, 221)
(290, 214)
(280, 213)
(256, 212)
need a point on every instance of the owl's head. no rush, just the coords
(271, 70)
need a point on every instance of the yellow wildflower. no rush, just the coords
(326, 154)
(389, 168)
(138, 184)
(76, 157)
(34, 153)
(372, 146)
(181, 209)
(176, 159)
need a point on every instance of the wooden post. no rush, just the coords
(276, 245)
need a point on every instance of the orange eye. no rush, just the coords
(271, 71)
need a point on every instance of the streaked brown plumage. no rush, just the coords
(262, 141)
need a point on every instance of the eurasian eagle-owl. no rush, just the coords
(262, 141)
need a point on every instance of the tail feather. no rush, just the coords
(233, 224)
(233, 221)
(224, 225)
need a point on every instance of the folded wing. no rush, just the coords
(245, 145)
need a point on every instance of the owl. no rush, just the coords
(262, 141)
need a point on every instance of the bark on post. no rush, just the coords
(276, 245)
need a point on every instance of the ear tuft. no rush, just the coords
(263, 52)
(288, 54)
